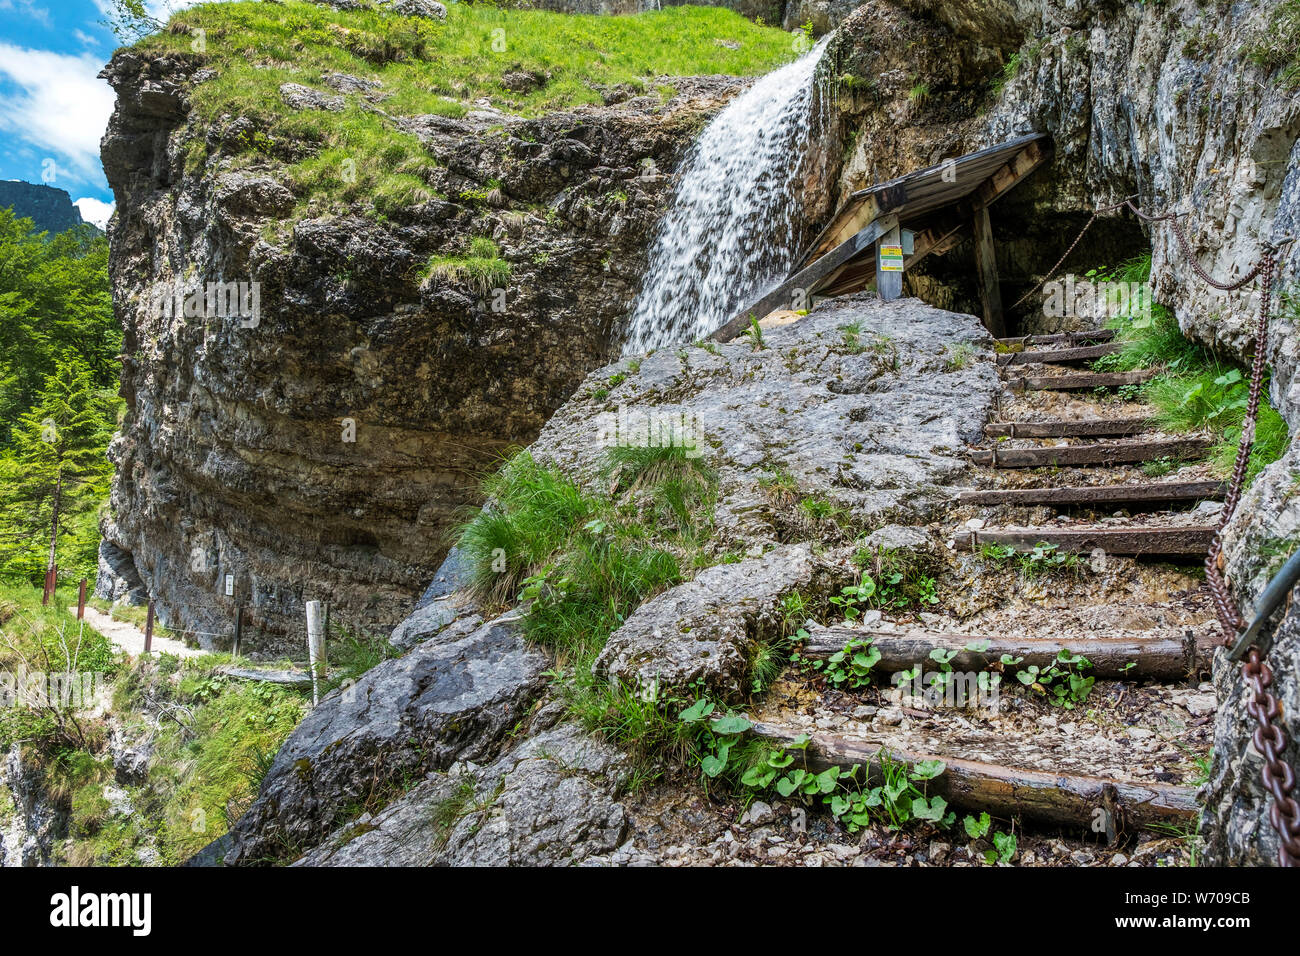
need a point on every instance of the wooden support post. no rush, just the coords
(239, 630)
(889, 265)
(148, 628)
(315, 647)
(986, 271)
(81, 600)
(807, 281)
(45, 589)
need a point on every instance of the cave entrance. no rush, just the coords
(883, 232)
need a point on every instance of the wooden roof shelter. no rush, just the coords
(934, 208)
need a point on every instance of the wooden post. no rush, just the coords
(889, 265)
(148, 628)
(315, 646)
(81, 600)
(986, 272)
(239, 630)
(45, 589)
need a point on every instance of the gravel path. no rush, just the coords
(130, 638)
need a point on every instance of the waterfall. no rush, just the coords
(735, 216)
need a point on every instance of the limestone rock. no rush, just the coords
(448, 699)
(707, 629)
(552, 801)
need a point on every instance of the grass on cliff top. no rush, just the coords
(427, 67)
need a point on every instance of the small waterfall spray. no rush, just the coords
(730, 232)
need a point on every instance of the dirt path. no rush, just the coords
(130, 638)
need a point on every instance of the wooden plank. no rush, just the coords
(1010, 175)
(986, 272)
(1048, 797)
(808, 278)
(1084, 353)
(1166, 658)
(1076, 381)
(1108, 453)
(848, 222)
(923, 190)
(1086, 428)
(1059, 338)
(1194, 540)
(1153, 494)
(935, 242)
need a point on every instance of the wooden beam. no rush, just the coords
(1084, 353)
(1191, 540)
(1050, 797)
(1083, 380)
(1116, 453)
(935, 242)
(840, 229)
(1058, 338)
(1010, 175)
(808, 279)
(1086, 428)
(986, 272)
(1131, 656)
(1161, 493)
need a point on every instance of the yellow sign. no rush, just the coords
(891, 258)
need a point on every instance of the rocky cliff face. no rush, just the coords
(324, 447)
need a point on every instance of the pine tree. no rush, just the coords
(55, 474)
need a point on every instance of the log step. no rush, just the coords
(1152, 494)
(1192, 540)
(1085, 353)
(1093, 454)
(1154, 658)
(1060, 338)
(1086, 428)
(1044, 797)
(1081, 381)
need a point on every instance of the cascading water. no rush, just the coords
(736, 215)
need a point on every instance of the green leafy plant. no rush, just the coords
(1063, 681)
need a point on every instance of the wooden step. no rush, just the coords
(1150, 494)
(1079, 381)
(1060, 338)
(1044, 797)
(1156, 658)
(1192, 540)
(1086, 428)
(1086, 353)
(1112, 453)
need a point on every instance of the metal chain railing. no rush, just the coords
(1269, 739)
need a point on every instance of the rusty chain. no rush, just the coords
(1269, 739)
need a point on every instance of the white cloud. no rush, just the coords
(61, 106)
(29, 7)
(95, 210)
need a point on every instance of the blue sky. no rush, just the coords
(53, 110)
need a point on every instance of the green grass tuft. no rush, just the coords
(531, 512)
